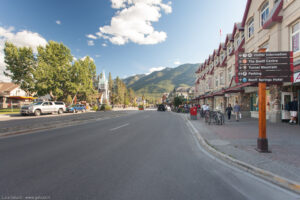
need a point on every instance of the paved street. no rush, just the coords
(144, 155)
(18, 123)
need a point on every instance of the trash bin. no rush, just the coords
(193, 113)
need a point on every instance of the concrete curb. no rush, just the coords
(266, 175)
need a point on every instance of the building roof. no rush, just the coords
(7, 87)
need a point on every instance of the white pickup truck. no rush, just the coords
(39, 108)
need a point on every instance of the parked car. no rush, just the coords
(168, 108)
(76, 108)
(161, 107)
(45, 107)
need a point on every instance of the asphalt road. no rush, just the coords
(147, 155)
(20, 123)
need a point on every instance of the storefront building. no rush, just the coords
(267, 25)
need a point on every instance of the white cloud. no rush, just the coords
(90, 43)
(91, 36)
(133, 22)
(154, 69)
(97, 56)
(58, 22)
(177, 62)
(20, 39)
(104, 45)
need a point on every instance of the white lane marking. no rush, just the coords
(113, 129)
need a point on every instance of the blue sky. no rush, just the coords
(136, 35)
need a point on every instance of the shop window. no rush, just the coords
(264, 13)
(295, 42)
(251, 27)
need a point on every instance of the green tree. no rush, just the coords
(131, 96)
(20, 64)
(111, 88)
(52, 74)
(178, 101)
(83, 72)
(69, 100)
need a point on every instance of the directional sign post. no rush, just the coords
(263, 68)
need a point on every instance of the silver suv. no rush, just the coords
(39, 108)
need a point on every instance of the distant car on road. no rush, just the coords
(76, 108)
(168, 108)
(161, 107)
(45, 107)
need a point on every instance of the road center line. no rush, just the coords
(113, 129)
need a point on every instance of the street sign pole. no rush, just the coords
(262, 141)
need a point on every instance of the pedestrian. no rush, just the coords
(237, 111)
(293, 107)
(229, 110)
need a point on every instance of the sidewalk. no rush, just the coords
(238, 140)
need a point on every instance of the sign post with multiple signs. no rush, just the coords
(264, 68)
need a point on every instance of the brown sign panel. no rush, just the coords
(265, 79)
(265, 67)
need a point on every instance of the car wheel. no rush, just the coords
(60, 111)
(37, 112)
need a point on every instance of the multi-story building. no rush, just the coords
(267, 25)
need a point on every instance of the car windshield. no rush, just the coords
(37, 103)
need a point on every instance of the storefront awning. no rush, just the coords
(21, 98)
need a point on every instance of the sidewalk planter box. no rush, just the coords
(141, 107)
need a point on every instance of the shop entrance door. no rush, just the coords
(286, 97)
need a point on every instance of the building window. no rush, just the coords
(229, 74)
(238, 41)
(216, 81)
(229, 50)
(210, 83)
(221, 78)
(251, 27)
(264, 13)
(295, 37)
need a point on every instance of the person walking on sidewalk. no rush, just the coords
(229, 110)
(237, 110)
(293, 107)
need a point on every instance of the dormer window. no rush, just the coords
(251, 27)
(229, 49)
(264, 13)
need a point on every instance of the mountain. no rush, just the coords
(166, 80)
(132, 79)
